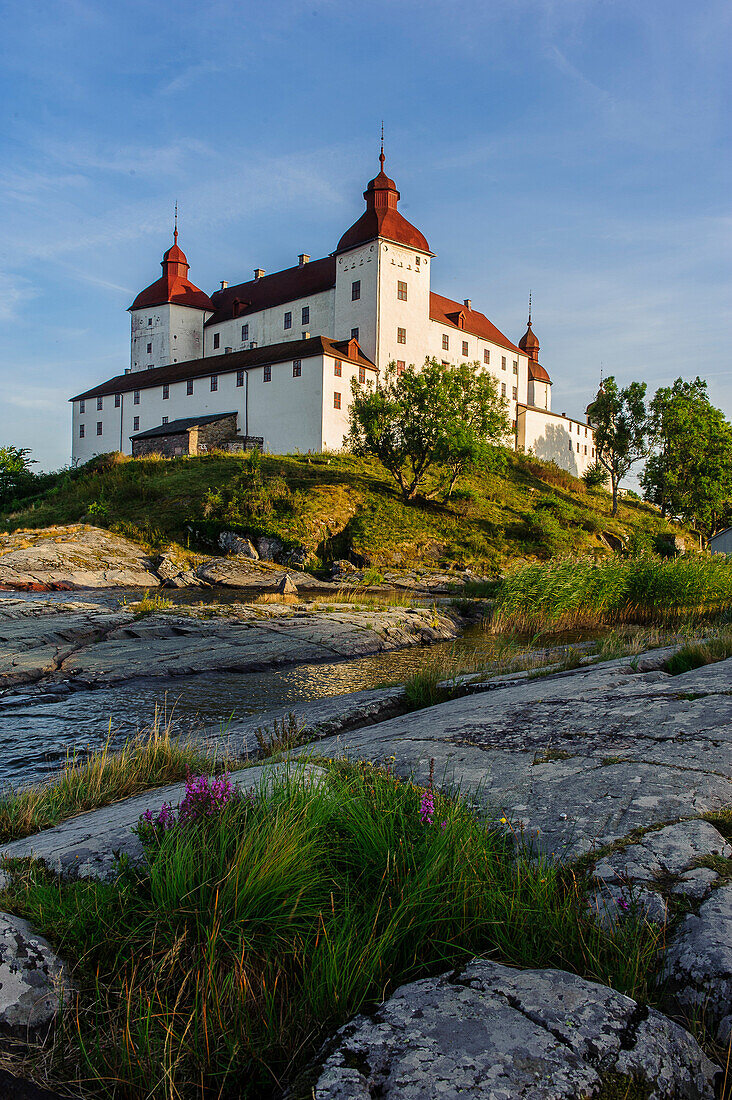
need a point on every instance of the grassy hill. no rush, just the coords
(333, 505)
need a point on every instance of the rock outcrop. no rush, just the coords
(489, 1031)
(33, 983)
(78, 556)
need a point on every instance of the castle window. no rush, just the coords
(336, 400)
(465, 347)
(486, 356)
(401, 366)
(445, 342)
(401, 336)
(354, 334)
(570, 444)
(578, 450)
(296, 368)
(135, 423)
(355, 296)
(585, 448)
(82, 406)
(515, 366)
(288, 320)
(337, 369)
(240, 378)
(267, 376)
(362, 375)
(305, 315)
(245, 332)
(401, 290)
(503, 389)
(166, 391)
(100, 403)
(503, 362)
(117, 400)
(99, 427)
(214, 382)
(149, 348)
(417, 260)
(515, 394)
(164, 420)
(136, 397)
(149, 320)
(189, 388)
(217, 340)
(81, 431)
(445, 363)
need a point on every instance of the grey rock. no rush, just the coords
(269, 548)
(495, 1033)
(696, 884)
(236, 545)
(611, 904)
(167, 567)
(15, 1088)
(77, 556)
(663, 852)
(88, 846)
(257, 576)
(697, 966)
(33, 980)
(286, 587)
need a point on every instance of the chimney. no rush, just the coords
(468, 303)
(258, 273)
(303, 259)
(306, 335)
(224, 284)
(227, 351)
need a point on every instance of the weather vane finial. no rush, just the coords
(381, 155)
(529, 307)
(175, 224)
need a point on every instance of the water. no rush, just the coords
(37, 732)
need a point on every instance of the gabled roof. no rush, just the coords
(235, 360)
(178, 427)
(448, 312)
(273, 290)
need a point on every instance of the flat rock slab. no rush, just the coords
(87, 846)
(14, 1088)
(94, 645)
(490, 1032)
(697, 966)
(573, 760)
(77, 556)
(241, 572)
(32, 980)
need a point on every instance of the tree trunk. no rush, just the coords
(614, 482)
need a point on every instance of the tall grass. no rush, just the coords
(86, 781)
(580, 593)
(255, 932)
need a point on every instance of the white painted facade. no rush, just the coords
(378, 292)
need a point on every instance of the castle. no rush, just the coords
(270, 362)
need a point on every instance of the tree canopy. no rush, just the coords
(619, 421)
(437, 422)
(16, 475)
(689, 473)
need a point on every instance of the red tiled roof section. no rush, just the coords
(448, 312)
(537, 373)
(173, 287)
(235, 360)
(273, 290)
(382, 219)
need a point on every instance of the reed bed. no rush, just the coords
(568, 593)
(89, 780)
(251, 934)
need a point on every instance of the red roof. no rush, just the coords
(382, 219)
(537, 373)
(273, 290)
(173, 287)
(448, 312)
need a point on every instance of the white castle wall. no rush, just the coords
(556, 438)
(267, 326)
(175, 334)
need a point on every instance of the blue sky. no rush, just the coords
(579, 148)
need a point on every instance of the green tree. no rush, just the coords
(689, 473)
(437, 422)
(620, 424)
(16, 476)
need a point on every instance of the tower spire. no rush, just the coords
(382, 158)
(175, 224)
(529, 309)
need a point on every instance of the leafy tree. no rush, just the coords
(619, 420)
(689, 473)
(595, 476)
(437, 421)
(16, 476)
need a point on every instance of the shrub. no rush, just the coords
(595, 476)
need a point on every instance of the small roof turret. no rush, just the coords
(529, 342)
(382, 219)
(174, 287)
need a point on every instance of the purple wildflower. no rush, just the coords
(623, 905)
(427, 808)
